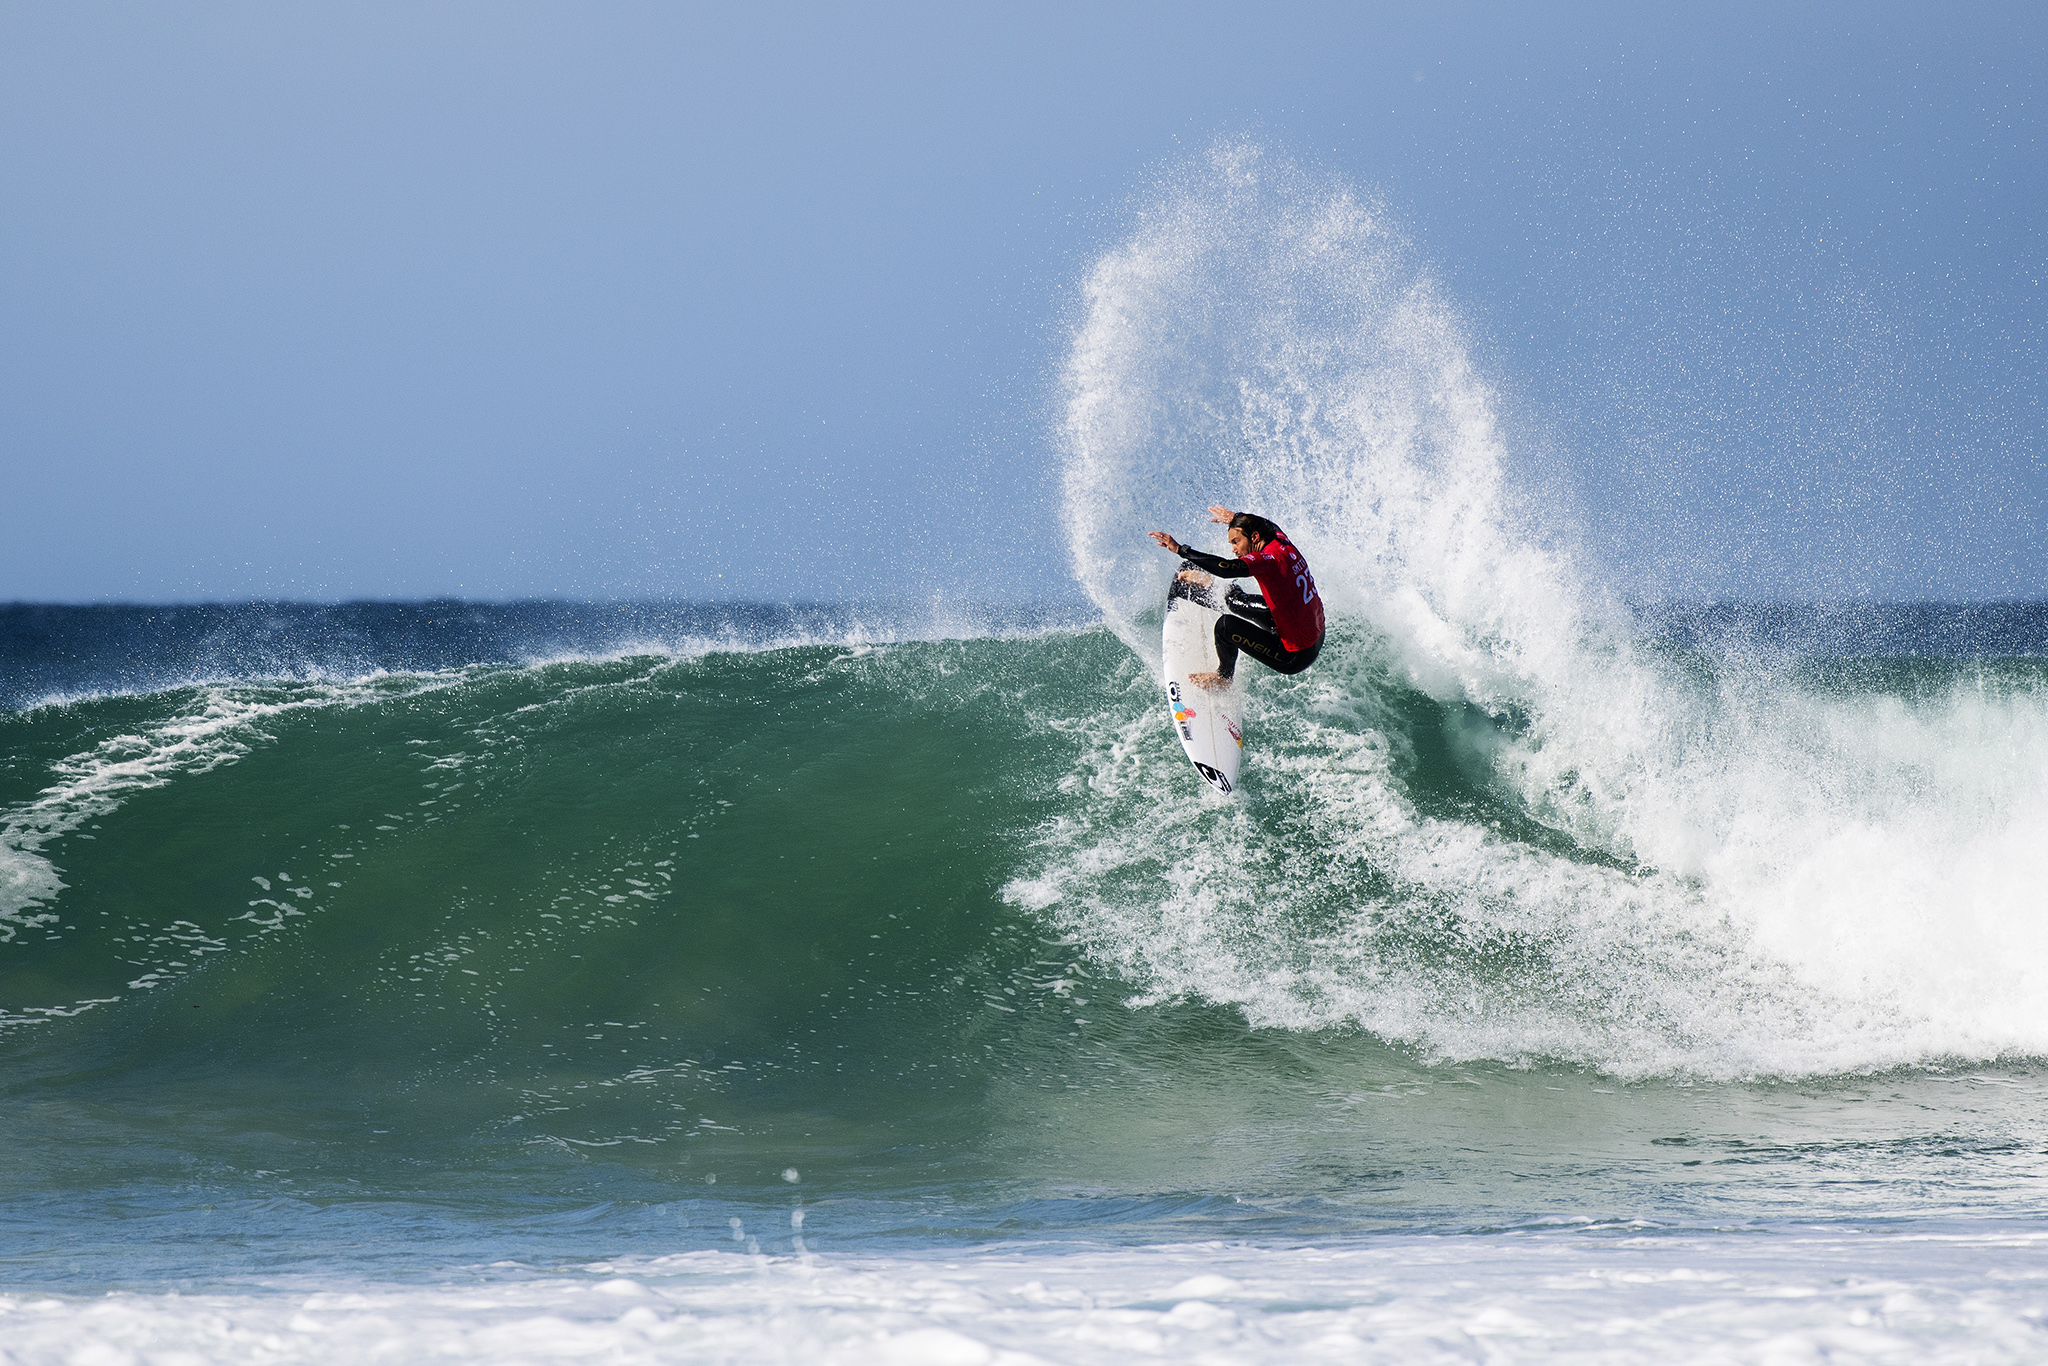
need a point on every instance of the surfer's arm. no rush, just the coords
(1221, 567)
(1216, 564)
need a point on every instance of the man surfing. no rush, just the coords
(1285, 633)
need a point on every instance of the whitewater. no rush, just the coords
(1571, 978)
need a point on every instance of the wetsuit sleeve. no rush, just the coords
(1216, 564)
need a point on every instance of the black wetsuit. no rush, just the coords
(1249, 625)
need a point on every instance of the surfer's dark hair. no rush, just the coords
(1254, 525)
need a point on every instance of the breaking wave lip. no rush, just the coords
(1763, 874)
(208, 684)
(227, 644)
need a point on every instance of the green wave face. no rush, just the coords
(652, 907)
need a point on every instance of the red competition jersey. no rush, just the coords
(1290, 592)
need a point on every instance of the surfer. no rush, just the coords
(1285, 632)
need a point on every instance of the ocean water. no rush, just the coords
(906, 999)
(1570, 978)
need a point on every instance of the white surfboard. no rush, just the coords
(1210, 724)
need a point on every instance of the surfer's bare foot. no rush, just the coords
(1211, 680)
(1195, 576)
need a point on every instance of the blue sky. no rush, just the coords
(667, 300)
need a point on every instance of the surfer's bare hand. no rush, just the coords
(1167, 542)
(1219, 513)
(1193, 576)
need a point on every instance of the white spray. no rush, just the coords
(1749, 876)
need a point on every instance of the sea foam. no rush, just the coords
(1612, 1294)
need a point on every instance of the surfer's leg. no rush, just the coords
(1297, 660)
(1235, 634)
(1252, 609)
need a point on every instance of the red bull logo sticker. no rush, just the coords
(1235, 733)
